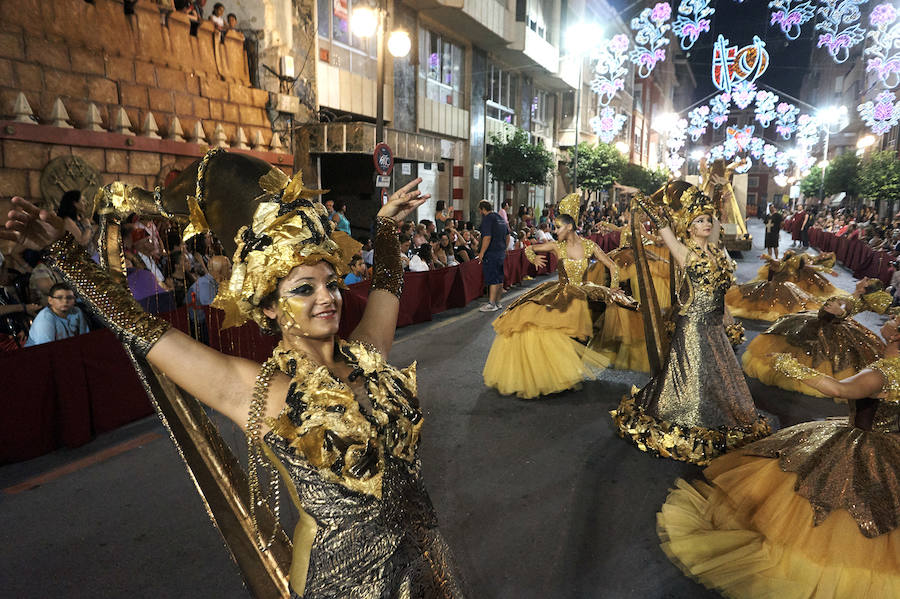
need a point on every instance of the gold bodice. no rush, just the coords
(705, 278)
(575, 269)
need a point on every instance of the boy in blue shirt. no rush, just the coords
(61, 318)
(357, 272)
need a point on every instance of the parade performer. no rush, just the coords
(621, 339)
(804, 270)
(812, 511)
(774, 293)
(699, 405)
(717, 186)
(830, 340)
(540, 344)
(340, 424)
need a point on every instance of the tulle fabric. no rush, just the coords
(536, 351)
(766, 300)
(758, 363)
(750, 536)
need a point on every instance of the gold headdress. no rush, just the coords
(571, 205)
(693, 204)
(287, 230)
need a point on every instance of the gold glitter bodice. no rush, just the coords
(574, 269)
(887, 413)
(703, 281)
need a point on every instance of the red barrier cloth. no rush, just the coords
(855, 255)
(64, 392)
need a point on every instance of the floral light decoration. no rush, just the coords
(608, 124)
(732, 65)
(692, 20)
(743, 94)
(650, 28)
(675, 142)
(765, 107)
(741, 136)
(807, 131)
(770, 153)
(756, 147)
(730, 148)
(718, 115)
(840, 24)
(782, 162)
(885, 46)
(698, 117)
(882, 114)
(791, 15)
(716, 152)
(609, 72)
(786, 119)
(745, 165)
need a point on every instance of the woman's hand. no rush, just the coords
(31, 227)
(540, 260)
(403, 201)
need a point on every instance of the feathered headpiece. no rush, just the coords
(571, 206)
(287, 230)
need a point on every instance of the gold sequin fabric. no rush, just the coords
(357, 474)
(387, 272)
(801, 270)
(108, 299)
(701, 386)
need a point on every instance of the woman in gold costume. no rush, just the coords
(540, 344)
(804, 270)
(338, 422)
(830, 340)
(621, 339)
(775, 295)
(812, 512)
(717, 186)
(699, 405)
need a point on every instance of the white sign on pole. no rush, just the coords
(382, 180)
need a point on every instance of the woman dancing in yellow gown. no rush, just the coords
(812, 512)
(804, 270)
(830, 340)
(698, 406)
(540, 344)
(775, 292)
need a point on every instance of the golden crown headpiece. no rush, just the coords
(288, 230)
(693, 203)
(571, 206)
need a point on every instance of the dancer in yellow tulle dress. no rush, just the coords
(540, 347)
(776, 291)
(804, 270)
(812, 512)
(621, 338)
(698, 406)
(830, 340)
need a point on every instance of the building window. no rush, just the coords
(568, 106)
(639, 98)
(752, 181)
(441, 65)
(542, 111)
(540, 13)
(502, 95)
(338, 46)
(751, 199)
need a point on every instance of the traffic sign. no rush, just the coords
(383, 158)
(385, 195)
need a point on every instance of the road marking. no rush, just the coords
(100, 456)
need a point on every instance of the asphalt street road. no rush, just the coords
(538, 499)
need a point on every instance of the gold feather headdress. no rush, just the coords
(571, 206)
(287, 230)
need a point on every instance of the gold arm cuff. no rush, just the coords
(106, 297)
(530, 254)
(387, 268)
(788, 365)
(614, 278)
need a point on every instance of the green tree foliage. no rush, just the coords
(879, 177)
(599, 166)
(842, 174)
(647, 181)
(513, 159)
(809, 186)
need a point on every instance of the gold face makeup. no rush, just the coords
(310, 305)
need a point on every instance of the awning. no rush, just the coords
(359, 138)
(837, 198)
(625, 188)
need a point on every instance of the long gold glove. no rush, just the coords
(614, 278)
(530, 254)
(788, 365)
(387, 268)
(110, 300)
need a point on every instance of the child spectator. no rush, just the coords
(61, 319)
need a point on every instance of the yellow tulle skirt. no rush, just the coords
(537, 350)
(759, 363)
(748, 535)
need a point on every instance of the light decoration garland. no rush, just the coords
(741, 136)
(840, 24)
(786, 119)
(765, 108)
(756, 147)
(885, 39)
(675, 142)
(732, 65)
(650, 39)
(743, 94)
(608, 124)
(791, 15)
(807, 131)
(692, 20)
(716, 152)
(718, 115)
(782, 162)
(770, 154)
(882, 114)
(609, 72)
(699, 117)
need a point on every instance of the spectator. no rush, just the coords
(404, 250)
(504, 207)
(218, 17)
(220, 269)
(329, 206)
(443, 250)
(14, 314)
(71, 211)
(430, 228)
(420, 236)
(340, 216)
(357, 272)
(61, 319)
(441, 215)
(144, 250)
(232, 22)
(543, 233)
(494, 239)
(368, 252)
(772, 220)
(42, 279)
(422, 259)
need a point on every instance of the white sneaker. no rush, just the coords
(489, 307)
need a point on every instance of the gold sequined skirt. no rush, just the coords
(768, 300)
(814, 516)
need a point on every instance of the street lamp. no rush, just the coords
(364, 22)
(832, 116)
(580, 39)
(622, 147)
